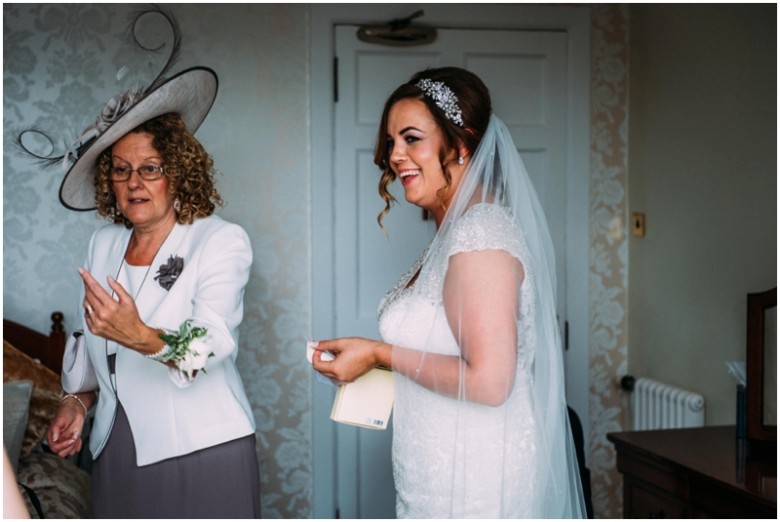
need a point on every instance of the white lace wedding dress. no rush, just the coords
(453, 458)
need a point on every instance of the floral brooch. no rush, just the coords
(169, 272)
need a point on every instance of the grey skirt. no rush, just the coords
(218, 482)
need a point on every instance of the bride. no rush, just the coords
(480, 423)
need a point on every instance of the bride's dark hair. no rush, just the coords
(475, 106)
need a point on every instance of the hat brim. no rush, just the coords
(190, 94)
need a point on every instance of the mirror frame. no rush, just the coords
(758, 303)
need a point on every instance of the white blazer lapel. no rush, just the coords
(152, 293)
(108, 263)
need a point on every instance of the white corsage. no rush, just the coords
(187, 348)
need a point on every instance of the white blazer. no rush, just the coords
(170, 418)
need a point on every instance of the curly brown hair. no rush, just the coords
(474, 103)
(188, 167)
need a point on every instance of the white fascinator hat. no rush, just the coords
(190, 94)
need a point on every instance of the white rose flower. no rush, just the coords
(185, 365)
(199, 352)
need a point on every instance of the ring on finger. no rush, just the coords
(88, 310)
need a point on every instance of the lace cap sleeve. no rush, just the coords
(487, 227)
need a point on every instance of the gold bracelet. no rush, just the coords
(77, 398)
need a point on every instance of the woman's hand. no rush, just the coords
(354, 356)
(64, 433)
(116, 319)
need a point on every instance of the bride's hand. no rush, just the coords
(353, 357)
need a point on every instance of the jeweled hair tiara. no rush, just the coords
(444, 99)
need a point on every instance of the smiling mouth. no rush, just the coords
(408, 174)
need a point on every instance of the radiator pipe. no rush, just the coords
(627, 383)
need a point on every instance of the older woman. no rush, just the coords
(173, 433)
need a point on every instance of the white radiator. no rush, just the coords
(656, 405)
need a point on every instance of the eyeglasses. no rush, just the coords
(146, 172)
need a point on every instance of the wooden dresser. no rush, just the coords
(694, 473)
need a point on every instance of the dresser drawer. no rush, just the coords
(657, 474)
(643, 501)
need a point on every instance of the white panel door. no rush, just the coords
(526, 73)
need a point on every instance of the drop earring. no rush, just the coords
(460, 160)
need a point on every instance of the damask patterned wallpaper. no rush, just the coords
(608, 248)
(60, 66)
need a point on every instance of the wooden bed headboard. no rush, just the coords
(46, 348)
